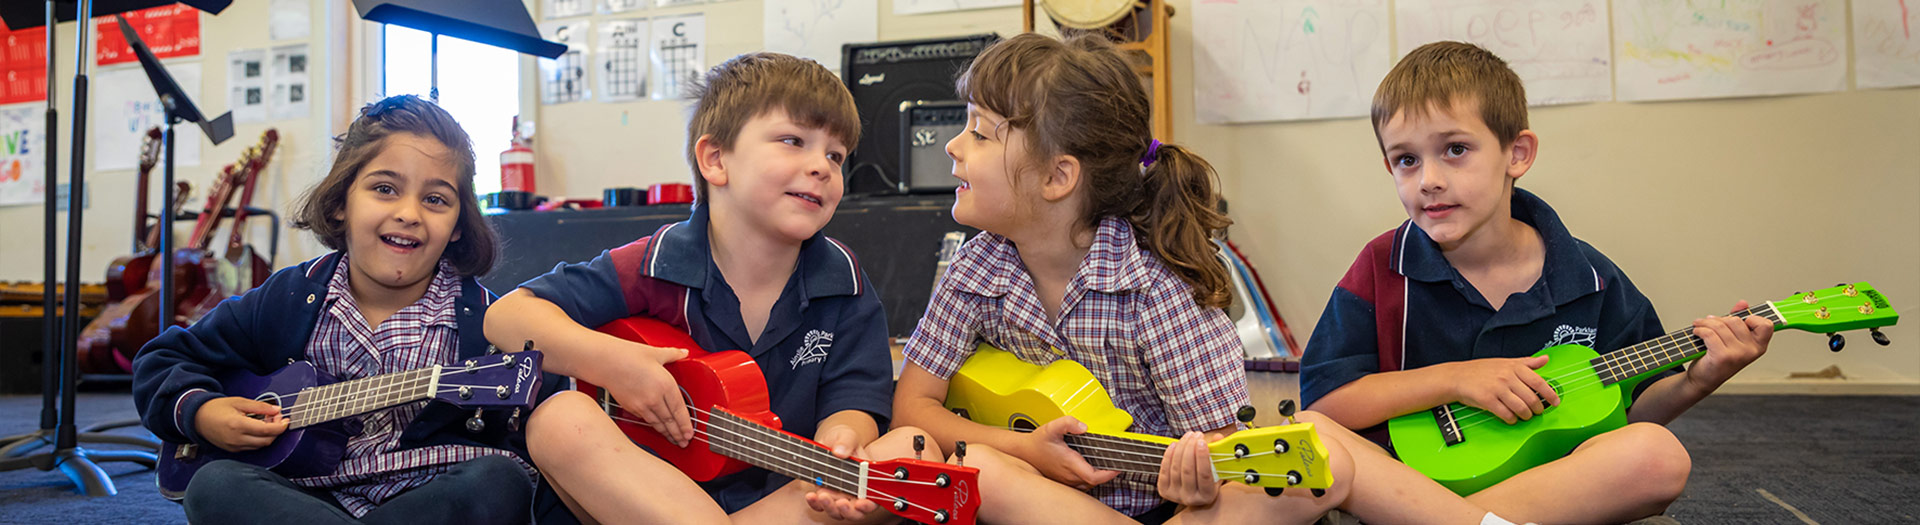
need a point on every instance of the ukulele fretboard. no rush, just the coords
(1677, 346)
(320, 404)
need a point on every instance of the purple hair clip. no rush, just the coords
(1153, 153)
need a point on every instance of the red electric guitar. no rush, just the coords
(734, 429)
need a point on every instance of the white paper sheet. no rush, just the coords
(289, 19)
(921, 7)
(1260, 61)
(247, 85)
(1886, 43)
(678, 48)
(1669, 49)
(623, 59)
(816, 28)
(1558, 47)
(23, 142)
(122, 105)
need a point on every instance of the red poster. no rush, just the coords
(169, 30)
(23, 65)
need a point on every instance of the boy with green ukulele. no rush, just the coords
(1449, 306)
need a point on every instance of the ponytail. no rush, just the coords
(1177, 219)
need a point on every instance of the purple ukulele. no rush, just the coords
(316, 438)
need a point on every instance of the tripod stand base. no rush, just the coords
(81, 466)
(17, 446)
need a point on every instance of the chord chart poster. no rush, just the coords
(23, 69)
(622, 6)
(623, 59)
(564, 79)
(678, 46)
(169, 30)
(566, 8)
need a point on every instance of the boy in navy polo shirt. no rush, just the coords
(749, 270)
(1449, 306)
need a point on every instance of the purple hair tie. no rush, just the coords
(1153, 153)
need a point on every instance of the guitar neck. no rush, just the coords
(1636, 362)
(324, 403)
(787, 454)
(1120, 454)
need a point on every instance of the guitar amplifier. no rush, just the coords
(925, 128)
(884, 75)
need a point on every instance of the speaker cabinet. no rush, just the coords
(885, 78)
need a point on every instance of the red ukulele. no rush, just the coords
(734, 429)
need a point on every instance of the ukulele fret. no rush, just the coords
(735, 437)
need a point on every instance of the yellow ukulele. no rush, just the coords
(996, 388)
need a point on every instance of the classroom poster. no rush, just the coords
(678, 48)
(565, 8)
(247, 85)
(621, 6)
(169, 31)
(1559, 48)
(623, 59)
(122, 105)
(23, 135)
(921, 7)
(1288, 59)
(1669, 49)
(816, 28)
(564, 79)
(23, 67)
(290, 83)
(289, 19)
(1886, 43)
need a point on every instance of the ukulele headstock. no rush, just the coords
(925, 491)
(1840, 308)
(499, 380)
(1275, 457)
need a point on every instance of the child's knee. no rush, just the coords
(554, 426)
(1653, 455)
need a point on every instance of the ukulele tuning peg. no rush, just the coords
(1275, 491)
(1287, 409)
(493, 350)
(1245, 415)
(513, 420)
(919, 445)
(1880, 338)
(475, 424)
(960, 453)
(1318, 492)
(528, 346)
(1836, 342)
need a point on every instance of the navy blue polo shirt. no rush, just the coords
(824, 348)
(1403, 306)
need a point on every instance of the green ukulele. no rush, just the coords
(1468, 449)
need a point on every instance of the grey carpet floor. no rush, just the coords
(1756, 460)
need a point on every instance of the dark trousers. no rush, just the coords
(491, 489)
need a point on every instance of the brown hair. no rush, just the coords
(1439, 74)
(1081, 98)
(748, 85)
(474, 253)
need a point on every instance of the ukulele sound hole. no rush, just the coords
(1023, 423)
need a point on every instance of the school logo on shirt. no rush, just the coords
(813, 348)
(1573, 335)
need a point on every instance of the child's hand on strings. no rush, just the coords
(238, 424)
(1509, 388)
(1732, 344)
(1047, 451)
(845, 443)
(1186, 471)
(642, 386)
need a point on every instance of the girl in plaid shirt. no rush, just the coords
(1096, 246)
(398, 294)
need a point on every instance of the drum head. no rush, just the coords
(1088, 14)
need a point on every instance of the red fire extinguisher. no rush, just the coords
(516, 163)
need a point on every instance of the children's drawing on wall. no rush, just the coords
(1287, 60)
(816, 28)
(921, 7)
(1886, 43)
(1558, 47)
(122, 105)
(23, 132)
(1673, 49)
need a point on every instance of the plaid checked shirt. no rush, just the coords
(420, 335)
(1171, 363)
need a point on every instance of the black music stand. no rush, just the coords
(499, 23)
(57, 425)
